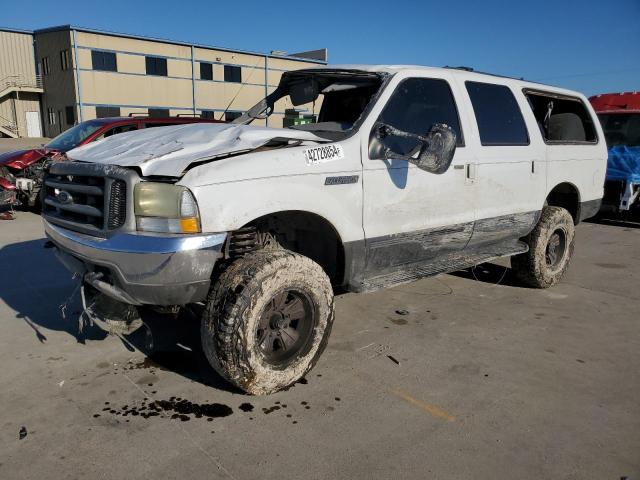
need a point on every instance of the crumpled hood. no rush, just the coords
(170, 150)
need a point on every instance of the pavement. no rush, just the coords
(462, 376)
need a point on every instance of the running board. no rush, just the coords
(449, 263)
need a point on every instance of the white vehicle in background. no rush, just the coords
(407, 172)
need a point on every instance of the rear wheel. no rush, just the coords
(267, 320)
(550, 249)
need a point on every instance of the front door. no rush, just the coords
(413, 217)
(33, 124)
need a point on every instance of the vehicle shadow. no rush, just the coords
(630, 222)
(490, 273)
(42, 293)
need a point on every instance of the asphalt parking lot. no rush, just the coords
(470, 380)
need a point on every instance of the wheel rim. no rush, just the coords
(556, 248)
(286, 327)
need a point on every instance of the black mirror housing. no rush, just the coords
(435, 152)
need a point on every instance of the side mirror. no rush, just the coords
(434, 152)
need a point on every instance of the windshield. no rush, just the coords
(621, 129)
(326, 102)
(72, 137)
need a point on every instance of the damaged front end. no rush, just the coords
(108, 314)
(21, 177)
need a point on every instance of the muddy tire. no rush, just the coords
(267, 320)
(550, 250)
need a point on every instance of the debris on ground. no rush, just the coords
(23, 432)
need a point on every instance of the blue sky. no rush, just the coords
(591, 46)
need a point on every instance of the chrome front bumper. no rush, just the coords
(141, 269)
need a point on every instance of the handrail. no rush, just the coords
(19, 81)
(8, 125)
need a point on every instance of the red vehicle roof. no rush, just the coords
(616, 102)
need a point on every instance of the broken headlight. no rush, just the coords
(166, 208)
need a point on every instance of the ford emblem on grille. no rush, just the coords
(64, 197)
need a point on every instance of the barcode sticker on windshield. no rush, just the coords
(326, 153)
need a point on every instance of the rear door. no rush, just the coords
(510, 177)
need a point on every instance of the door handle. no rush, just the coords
(458, 167)
(471, 171)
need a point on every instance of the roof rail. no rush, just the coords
(138, 114)
(194, 115)
(461, 67)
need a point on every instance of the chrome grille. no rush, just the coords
(75, 198)
(89, 198)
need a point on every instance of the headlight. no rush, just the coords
(162, 207)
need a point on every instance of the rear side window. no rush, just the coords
(498, 115)
(415, 106)
(561, 120)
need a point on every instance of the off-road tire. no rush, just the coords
(236, 304)
(532, 267)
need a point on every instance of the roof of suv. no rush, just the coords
(463, 72)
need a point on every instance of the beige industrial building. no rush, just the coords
(20, 87)
(89, 74)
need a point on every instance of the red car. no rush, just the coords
(21, 172)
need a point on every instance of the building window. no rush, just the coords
(70, 114)
(208, 114)
(499, 118)
(156, 66)
(158, 112)
(105, 112)
(65, 60)
(105, 61)
(45, 66)
(51, 116)
(206, 71)
(231, 116)
(232, 74)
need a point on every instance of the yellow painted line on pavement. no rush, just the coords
(430, 409)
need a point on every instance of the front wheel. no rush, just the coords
(550, 249)
(267, 320)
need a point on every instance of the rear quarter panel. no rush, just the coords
(583, 166)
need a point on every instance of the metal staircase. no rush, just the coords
(9, 85)
(8, 127)
(20, 83)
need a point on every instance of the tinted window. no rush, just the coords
(499, 118)
(232, 74)
(156, 66)
(159, 124)
(209, 114)
(104, 61)
(158, 112)
(115, 131)
(231, 116)
(206, 71)
(415, 106)
(104, 112)
(621, 129)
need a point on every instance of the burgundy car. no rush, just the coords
(21, 172)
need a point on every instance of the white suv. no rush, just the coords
(406, 172)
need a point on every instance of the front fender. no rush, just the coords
(229, 206)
